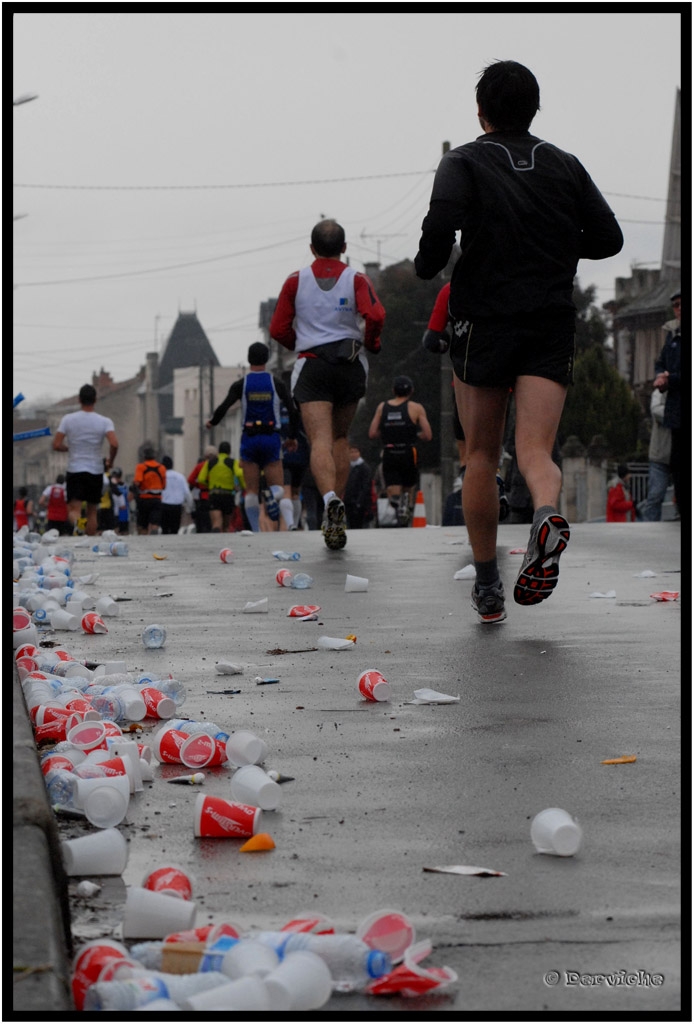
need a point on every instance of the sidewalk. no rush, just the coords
(384, 791)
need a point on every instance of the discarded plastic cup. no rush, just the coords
(93, 623)
(255, 607)
(202, 751)
(88, 736)
(248, 994)
(355, 584)
(61, 619)
(388, 930)
(106, 606)
(248, 956)
(284, 577)
(317, 924)
(89, 962)
(334, 643)
(153, 915)
(226, 555)
(99, 853)
(554, 831)
(104, 801)
(167, 743)
(245, 748)
(373, 686)
(217, 818)
(301, 982)
(158, 705)
(169, 879)
(251, 785)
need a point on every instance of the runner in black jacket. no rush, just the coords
(526, 212)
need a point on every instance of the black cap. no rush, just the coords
(258, 354)
(403, 386)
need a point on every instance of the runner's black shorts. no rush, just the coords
(222, 501)
(493, 353)
(148, 511)
(400, 467)
(84, 487)
(314, 380)
(294, 474)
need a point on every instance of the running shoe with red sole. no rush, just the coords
(539, 572)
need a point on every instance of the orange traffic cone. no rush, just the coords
(420, 512)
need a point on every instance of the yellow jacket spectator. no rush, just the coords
(222, 475)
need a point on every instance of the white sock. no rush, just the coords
(287, 510)
(253, 512)
(328, 497)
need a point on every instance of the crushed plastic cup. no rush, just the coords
(388, 930)
(169, 879)
(410, 979)
(99, 853)
(316, 924)
(373, 686)
(217, 818)
(251, 785)
(89, 962)
(228, 668)
(166, 745)
(245, 747)
(666, 595)
(554, 831)
(302, 611)
(153, 915)
(203, 751)
(301, 982)
(93, 623)
(334, 643)
(356, 584)
(256, 607)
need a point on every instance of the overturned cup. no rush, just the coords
(353, 584)
(373, 686)
(554, 831)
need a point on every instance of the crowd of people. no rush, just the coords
(526, 212)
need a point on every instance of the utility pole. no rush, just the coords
(379, 239)
(447, 446)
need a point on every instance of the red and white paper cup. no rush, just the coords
(90, 962)
(217, 818)
(283, 576)
(373, 686)
(169, 879)
(203, 751)
(157, 703)
(166, 745)
(226, 555)
(88, 735)
(93, 623)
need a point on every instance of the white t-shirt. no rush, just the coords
(84, 436)
(177, 491)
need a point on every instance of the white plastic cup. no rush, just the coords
(301, 982)
(88, 736)
(110, 668)
(251, 785)
(60, 618)
(104, 800)
(248, 956)
(99, 853)
(554, 831)
(245, 748)
(154, 915)
(129, 749)
(106, 606)
(334, 643)
(355, 584)
(247, 993)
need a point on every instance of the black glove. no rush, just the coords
(435, 341)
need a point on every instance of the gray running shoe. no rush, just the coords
(539, 572)
(333, 527)
(489, 603)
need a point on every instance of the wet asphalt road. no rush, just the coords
(382, 791)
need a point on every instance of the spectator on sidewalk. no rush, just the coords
(659, 452)
(54, 500)
(620, 505)
(359, 491)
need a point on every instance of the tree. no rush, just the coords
(601, 402)
(591, 325)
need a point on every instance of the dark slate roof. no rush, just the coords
(187, 345)
(657, 300)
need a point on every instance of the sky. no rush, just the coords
(177, 162)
